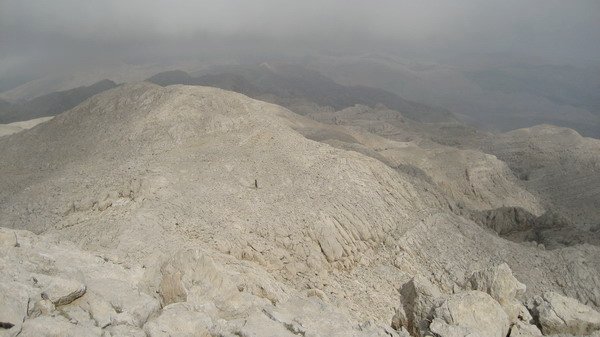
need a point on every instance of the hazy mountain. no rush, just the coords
(50, 104)
(493, 93)
(295, 87)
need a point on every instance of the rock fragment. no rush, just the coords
(62, 291)
(470, 313)
(557, 314)
(418, 298)
(500, 283)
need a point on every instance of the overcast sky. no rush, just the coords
(46, 32)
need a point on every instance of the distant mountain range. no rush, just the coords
(486, 92)
(50, 104)
(292, 85)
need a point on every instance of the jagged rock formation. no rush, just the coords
(242, 216)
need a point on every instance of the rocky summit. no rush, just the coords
(195, 211)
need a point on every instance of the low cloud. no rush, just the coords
(42, 32)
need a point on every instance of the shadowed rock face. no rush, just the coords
(50, 104)
(550, 229)
(216, 205)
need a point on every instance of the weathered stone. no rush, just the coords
(560, 314)
(500, 283)
(418, 298)
(475, 311)
(62, 291)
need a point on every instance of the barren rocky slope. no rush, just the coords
(241, 218)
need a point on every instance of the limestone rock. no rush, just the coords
(560, 314)
(474, 313)
(62, 291)
(500, 283)
(418, 298)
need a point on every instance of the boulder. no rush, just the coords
(61, 291)
(558, 314)
(418, 298)
(473, 313)
(502, 286)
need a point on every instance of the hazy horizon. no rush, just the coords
(41, 35)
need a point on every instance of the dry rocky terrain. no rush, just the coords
(195, 211)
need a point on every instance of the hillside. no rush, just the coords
(207, 203)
